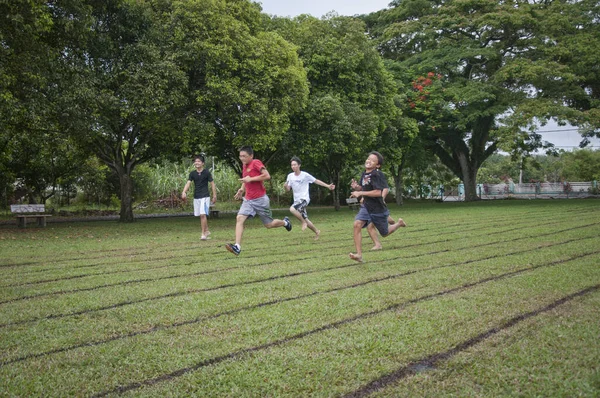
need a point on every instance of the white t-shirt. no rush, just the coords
(300, 184)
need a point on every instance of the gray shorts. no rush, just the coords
(379, 220)
(260, 206)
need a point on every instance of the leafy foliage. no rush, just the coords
(499, 68)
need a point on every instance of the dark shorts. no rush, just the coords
(301, 207)
(379, 220)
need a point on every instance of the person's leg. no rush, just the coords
(262, 207)
(204, 225)
(306, 223)
(246, 210)
(198, 213)
(374, 237)
(298, 215)
(394, 227)
(276, 223)
(239, 229)
(358, 226)
(312, 227)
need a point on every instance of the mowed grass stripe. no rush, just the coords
(221, 252)
(87, 370)
(229, 285)
(289, 275)
(182, 245)
(299, 297)
(394, 307)
(430, 362)
(175, 255)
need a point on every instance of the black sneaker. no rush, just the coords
(233, 248)
(288, 223)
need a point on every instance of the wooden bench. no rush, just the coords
(353, 203)
(213, 211)
(29, 211)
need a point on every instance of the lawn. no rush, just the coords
(470, 299)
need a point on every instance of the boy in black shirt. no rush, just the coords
(201, 178)
(373, 211)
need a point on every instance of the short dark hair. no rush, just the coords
(296, 159)
(248, 149)
(201, 157)
(379, 157)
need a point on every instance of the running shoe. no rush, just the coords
(233, 249)
(288, 224)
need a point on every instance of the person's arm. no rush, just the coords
(263, 176)
(185, 189)
(323, 184)
(214, 191)
(355, 185)
(373, 194)
(240, 192)
(287, 185)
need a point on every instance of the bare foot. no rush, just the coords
(377, 247)
(317, 234)
(401, 222)
(356, 257)
(304, 226)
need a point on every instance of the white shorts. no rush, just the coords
(201, 206)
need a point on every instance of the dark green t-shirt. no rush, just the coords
(201, 181)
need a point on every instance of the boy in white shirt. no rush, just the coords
(299, 182)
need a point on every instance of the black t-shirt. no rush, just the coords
(370, 182)
(201, 181)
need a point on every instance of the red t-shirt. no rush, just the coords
(254, 189)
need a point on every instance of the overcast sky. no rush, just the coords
(565, 138)
(318, 8)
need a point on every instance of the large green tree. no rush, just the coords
(35, 76)
(132, 88)
(244, 82)
(496, 69)
(351, 94)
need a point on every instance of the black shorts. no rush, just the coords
(301, 207)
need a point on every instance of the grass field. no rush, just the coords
(471, 299)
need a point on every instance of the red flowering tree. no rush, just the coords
(503, 65)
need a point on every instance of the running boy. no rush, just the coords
(201, 178)
(299, 181)
(255, 200)
(373, 211)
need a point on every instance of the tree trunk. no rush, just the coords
(399, 182)
(336, 192)
(469, 174)
(126, 214)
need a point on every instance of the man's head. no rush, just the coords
(198, 161)
(295, 163)
(374, 161)
(246, 154)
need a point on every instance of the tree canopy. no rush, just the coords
(137, 81)
(499, 67)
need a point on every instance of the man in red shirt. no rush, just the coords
(255, 201)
